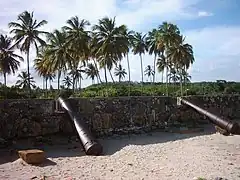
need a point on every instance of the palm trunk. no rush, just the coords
(181, 86)
(73, 86)
(28, 71)
(98, 75)
(5, 79)
(129, 76)
(59, 76)
(111, 75)
(154, 67)
(43, 83)
(162, 75)
(141, 70)
(46, 80)
(105, 73)
(80, 84)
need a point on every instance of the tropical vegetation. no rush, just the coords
(80, 50)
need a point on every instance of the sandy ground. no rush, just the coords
(156, 156)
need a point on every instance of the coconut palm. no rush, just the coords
(58, 53)
(77, 77)
(109, 43)
(152, 43)
(149, 72)
(78, 37)
(67, 82)
(168, 35)
(120, 72)
(26, 33)
(24, 80)
(181, 55)
(91, 71)
(140, 47)
(9, 61)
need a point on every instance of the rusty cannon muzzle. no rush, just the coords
(231, 127)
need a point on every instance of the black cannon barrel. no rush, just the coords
(231, 127)
(91, 146)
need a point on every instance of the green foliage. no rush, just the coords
(122, 89)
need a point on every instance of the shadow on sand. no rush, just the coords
(110, 145)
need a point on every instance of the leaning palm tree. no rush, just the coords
(26, 33)
(91, 71)
(140, 47)
(24, 80)
(9, 61)
(120, 72)
(149, 72)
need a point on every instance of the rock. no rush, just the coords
(222, 131)
(33, 156)
(220, 178)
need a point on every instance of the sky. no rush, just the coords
(211, 27)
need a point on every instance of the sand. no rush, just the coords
(154, 156)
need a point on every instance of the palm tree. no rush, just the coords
(91, 71)
(168, 35)
(76, 74)
(58, 53)
(78, 39)
(161, 64)
(181, 55)
(140, 47)
(8, 59)
(67, 82)
(42, 66)
(109, 43)
(152, 43)
(26, 33)
(129, 36)
(120, 72)
(149, 72)
(24, 80)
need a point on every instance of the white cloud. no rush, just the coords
(216, 52)
(204, 14)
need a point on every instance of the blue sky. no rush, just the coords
(211, 27)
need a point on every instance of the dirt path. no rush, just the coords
(159, 156)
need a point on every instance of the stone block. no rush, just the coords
(32, 156)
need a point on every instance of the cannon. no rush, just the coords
(231, 127)
(90, 145)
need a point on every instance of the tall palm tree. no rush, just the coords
(24, 80)
(167, 37)
(120, 72)
(149, 72)
(181, 55)
(91, 71)
(9, 61)
(140, 47)
(129, 36)
(58, 53)
(78, 39)
(152, 43)
(161, 65)
(26, 33)
(109, 43)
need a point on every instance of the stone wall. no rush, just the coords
(106, 116)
